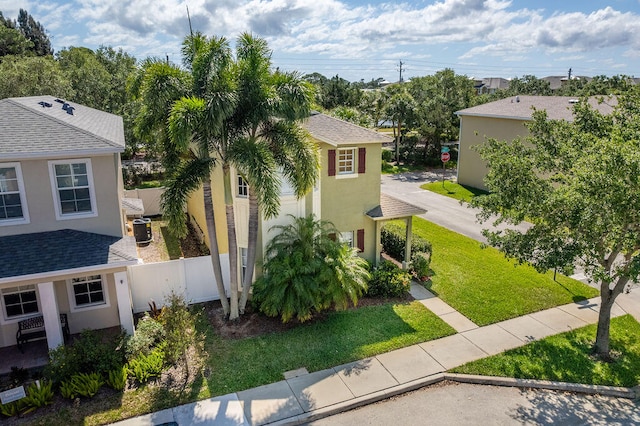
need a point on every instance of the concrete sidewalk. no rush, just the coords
(291, 401)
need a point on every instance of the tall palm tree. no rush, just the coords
(269, 138)
(195, 104)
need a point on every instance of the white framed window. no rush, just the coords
(19, 302)
(346, 238)
(346, 161)
(243, 188)
(87, 292)
(73, 189)
(13, 200)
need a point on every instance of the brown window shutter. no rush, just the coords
(362, 159)
(361, 239)
(332, 236)
(332, 162)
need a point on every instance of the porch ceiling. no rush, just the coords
(392, 208)
(31, 255)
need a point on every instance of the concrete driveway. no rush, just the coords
(442, 210)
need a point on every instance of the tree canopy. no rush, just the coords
(579, 184)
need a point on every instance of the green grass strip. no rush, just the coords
(484, 286)
(567, 357)
(453, 190)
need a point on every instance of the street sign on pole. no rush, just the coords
(445, 156)
(444, 149)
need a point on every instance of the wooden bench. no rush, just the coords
(33, 328)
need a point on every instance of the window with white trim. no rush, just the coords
(243, 260)
(88, 291)
(243, 187)
(13, 205)
(346, 238)
(19, 301)
(346, 161)
(73, 188)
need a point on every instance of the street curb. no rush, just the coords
(611, 391)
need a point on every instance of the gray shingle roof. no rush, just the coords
(339, 132)
(30, 129)
(392, 208)
(43, 252)
(557, 107)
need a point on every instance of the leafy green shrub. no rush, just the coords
(393, 241)
(18, 376)
(179, 324)
(117, 379)
(147, 367)
(307, 271)
(387, 155)
(420, 263)
(82, 384)
(38, 396)
(149, 332)
(89, 353)
(388, 280)
(13, 408)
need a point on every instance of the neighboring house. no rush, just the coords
(558, 81)
(506, 119)
(63, 248)
(347, 193)
(490, 85)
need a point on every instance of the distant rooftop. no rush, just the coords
(522, 107)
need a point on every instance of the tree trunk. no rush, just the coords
(233, 244)
(213, 244)
(251, 250)
(607, 298)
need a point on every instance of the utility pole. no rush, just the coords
(401, 64)
(569, 74)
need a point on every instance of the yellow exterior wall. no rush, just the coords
(345, 200)
(195, 209)
(474, 131)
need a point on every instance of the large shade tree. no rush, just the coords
(579, 184)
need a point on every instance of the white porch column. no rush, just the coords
(123, 294)
(407, 248)
(50, 314)
(378, 242)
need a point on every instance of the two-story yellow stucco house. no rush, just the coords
(63, 249)
(506, 119)
(347, 193)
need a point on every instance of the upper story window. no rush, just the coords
(19, 301)
(13, 205)
(243, 187)
(346, 161)
(346, 238)
(72, 182)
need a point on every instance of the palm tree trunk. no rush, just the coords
(213, 244)
(233, 244)
(251, 250)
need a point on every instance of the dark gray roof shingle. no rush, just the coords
(339, 132)
(30, 129)
(67, 249)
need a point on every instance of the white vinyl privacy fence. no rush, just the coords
(192, 278)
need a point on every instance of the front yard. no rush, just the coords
(484, 286)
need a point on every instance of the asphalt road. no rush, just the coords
(442, 210)
(464, 404)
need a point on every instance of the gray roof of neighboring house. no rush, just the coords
(38, 126)
(492, 83)
(62, 251)
(556, 81)
(339, 132)
(522, 107)
(392, 208)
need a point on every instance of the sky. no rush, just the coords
(359, 39)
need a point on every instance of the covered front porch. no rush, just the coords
(391, 208)
(44, 277)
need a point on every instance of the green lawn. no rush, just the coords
(392, 169)
(453, 190)
(486, 287)
(237, 364)
(567, 357)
